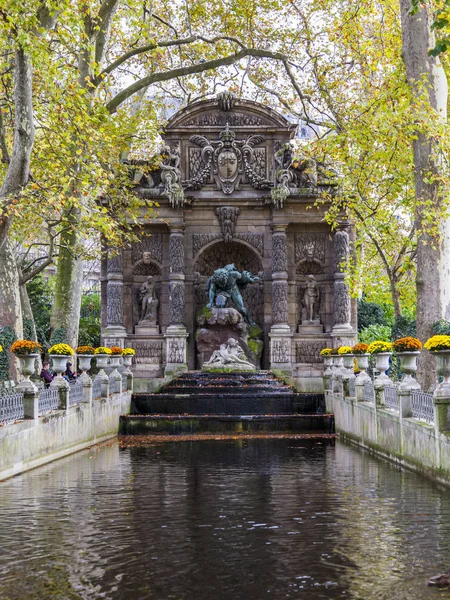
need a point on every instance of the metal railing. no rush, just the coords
(11, 407)
(48, 400)
(391, 397)
(75, 393)
(422, 406)
(369, 392)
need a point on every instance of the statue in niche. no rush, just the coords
(311, 299)
(229, 355)
(148, 302)
(146, 257)
(226, 283)
(171, 175)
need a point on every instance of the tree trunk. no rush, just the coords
(433, 286)
(68, 292)
(10, 307)
(27, 313)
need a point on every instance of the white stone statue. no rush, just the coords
(229, 355)
(149, 302)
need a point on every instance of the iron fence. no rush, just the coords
(422, 406)
(48, 400)
(391, 397)
(75, 393)
(11, 407)
(369, 392)
(96, 388)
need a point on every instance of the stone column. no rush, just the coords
(115, 331)
(342, 328)
(280, 333)
(176, 333)
(86, 382)
(31, 403)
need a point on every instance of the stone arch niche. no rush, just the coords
(142, 270)
(243, 257)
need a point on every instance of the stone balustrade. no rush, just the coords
(396, 420)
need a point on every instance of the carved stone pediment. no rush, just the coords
(228, 160)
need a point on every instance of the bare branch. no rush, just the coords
(191, 69)
(163, 44)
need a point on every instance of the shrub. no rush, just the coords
(441, 327)
(89, 327)
(7, 337)
(373, 333)
(370, 313)
(403, 327)
(59, 336)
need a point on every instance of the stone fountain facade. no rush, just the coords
(230, 191)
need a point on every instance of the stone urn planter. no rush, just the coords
(363, 365)
(443, 366)
(349, 364)
(328, 363)
(84, 363)
(127, 360)
(102, 362)
(26, 368)
(59, 365)
(338, 362)
(382, 365)
(408, 365)
(115, 361)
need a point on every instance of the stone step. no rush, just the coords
(217, 390)
(229, 423)
(235, 404)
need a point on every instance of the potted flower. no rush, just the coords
(439, 345)
(59, 353)
(347, 354)
(26, 351)
(362, 358)
(102, 353)
(382, 351)
(116, 355)
(408, 349)
(127, 356)
(84, 355)
(338, 359)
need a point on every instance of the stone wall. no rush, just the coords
(33, 443)
(407, 441)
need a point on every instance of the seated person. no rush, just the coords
(46, 374)
(68, 373)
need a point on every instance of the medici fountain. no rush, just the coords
(238, 261)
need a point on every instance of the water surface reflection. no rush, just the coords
(238, 519)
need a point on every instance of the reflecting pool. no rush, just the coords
(235, 520)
